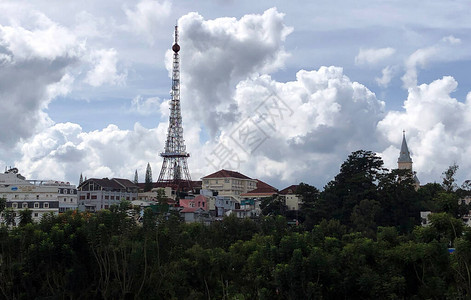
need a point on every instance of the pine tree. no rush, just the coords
(148, 182)
(136, 179)
(81, 179)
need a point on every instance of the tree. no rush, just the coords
(3, 204)
(311, 212)
(400, 203)
(356, 181)
(9, 217)
(26, 216)
(148, 181)
(136, 180)
(81, 179)
(449, 178)
(273, 206)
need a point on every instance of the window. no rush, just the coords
(71, 200)
(36, 204)
(36, 215)
(37, 196)
(46, 205)
(14, 205)
(82, 197)
(93, 196)
(226, 180)
(24, 205)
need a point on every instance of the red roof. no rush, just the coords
(263, 189)
(190, 209)
(289, 190)
(226, 173)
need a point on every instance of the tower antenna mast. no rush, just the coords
(175, 166)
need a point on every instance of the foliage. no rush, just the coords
(148, 179)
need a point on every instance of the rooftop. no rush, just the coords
(226, 173)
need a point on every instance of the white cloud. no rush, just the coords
(147, 16)
(419, 58)
(452, 40)
(387, 75)
(217, 54)
(146, 106)
(437, 127)
(63, 151)
(373, 56)
(48, 42)
(34, 69)
(105, 70)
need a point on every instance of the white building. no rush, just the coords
(229, 183)
(96, 194)
(40, 196)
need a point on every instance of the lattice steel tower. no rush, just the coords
(175, 167)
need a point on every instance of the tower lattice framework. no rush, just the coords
(175, 166)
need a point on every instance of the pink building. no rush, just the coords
(199, 201)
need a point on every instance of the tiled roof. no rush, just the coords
(114, 183)
(105, 183)
(289, 190)
(125, 182)
(263, 189)
(190, 209)
(226, 173)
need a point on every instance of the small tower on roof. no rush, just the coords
(404, 161)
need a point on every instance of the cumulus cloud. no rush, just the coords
(105, 70)
(444, 51)
(437, 127)
(373, 56)
(34, 64)
(452, 40)
(64, 150)
(217, 54)
(387, 75)
(285, 129)
(147, 16)
(146, 106)
(419, 58)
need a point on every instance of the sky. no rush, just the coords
(282, 91)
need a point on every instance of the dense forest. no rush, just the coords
(358, 238)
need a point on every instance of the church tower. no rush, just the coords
(404, 161)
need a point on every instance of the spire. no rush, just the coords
(404, 155)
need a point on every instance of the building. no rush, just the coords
(40, 196)
(262, 190)
(250, 203)
(229, 183)
(67, 195)
(404, 162)
(292, 201)
(96, 194)
(224, 205)
(199, 201)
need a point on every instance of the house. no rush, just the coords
(292, 201)
(199, 201)
(96, 194)
(223, 204)
(195, 214)
(229, 183)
